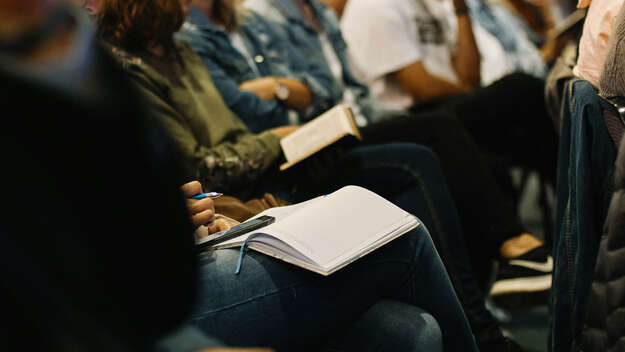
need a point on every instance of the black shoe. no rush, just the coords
(524, 280)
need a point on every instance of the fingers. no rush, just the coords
(202, 210)
(203, 218)
(199, 205)
(190, 189)
(220, 224)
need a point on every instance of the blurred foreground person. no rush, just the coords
(90, 260)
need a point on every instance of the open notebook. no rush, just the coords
(327, 233)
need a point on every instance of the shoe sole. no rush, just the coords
(521, 285)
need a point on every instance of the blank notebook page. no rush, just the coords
(327, 230)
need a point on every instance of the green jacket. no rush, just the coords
(224, 155)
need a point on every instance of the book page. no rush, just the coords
(339, 225)
(316, 134)
(280, 213)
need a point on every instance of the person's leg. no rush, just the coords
(411, 177)
(272, 303)
(509, 118)
(487, 217)
(392, 326)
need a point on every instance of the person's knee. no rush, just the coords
(418, 154)
(431, 336)
(404, 327)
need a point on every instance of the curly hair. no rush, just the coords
(137, 24)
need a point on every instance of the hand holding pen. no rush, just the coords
(200, 204)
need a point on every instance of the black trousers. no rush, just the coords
(507, 119)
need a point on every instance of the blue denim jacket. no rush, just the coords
(228, 68)
(585, 157)
(305, 38)
(516, 38)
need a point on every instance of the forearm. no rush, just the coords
(423, 86)
(467, 59)
(232, 166)
(266, 88)
(300, 96)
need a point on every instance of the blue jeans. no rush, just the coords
(272, 303)
(408, 175)
(586, 155)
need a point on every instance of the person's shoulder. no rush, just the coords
(185, 49)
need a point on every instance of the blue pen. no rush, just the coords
(211, 195)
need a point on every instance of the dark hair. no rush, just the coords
(137, 24)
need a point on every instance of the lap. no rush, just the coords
(272, 303)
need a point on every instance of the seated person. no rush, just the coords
(270, 91)
(432, 65)
(589, 142)
(269, 302)
(602, 330)
(525, 51)
(441, 132)
(84, 267)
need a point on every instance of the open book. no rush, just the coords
(327, 233)
(317, 134)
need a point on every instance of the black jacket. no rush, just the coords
(605, 323)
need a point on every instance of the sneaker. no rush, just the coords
(522, 277)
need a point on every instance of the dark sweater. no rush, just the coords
(605, 323)
(96, 247)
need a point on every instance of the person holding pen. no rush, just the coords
(271, 303)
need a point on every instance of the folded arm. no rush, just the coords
(229, 166)
(300, 96)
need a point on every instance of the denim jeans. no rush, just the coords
(586, 155)
(305, 308)
(410, 176)
(272, 303)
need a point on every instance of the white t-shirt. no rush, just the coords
(385, 36)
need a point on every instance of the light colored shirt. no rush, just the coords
(594, 41)
(386, 36)
(349, 98)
